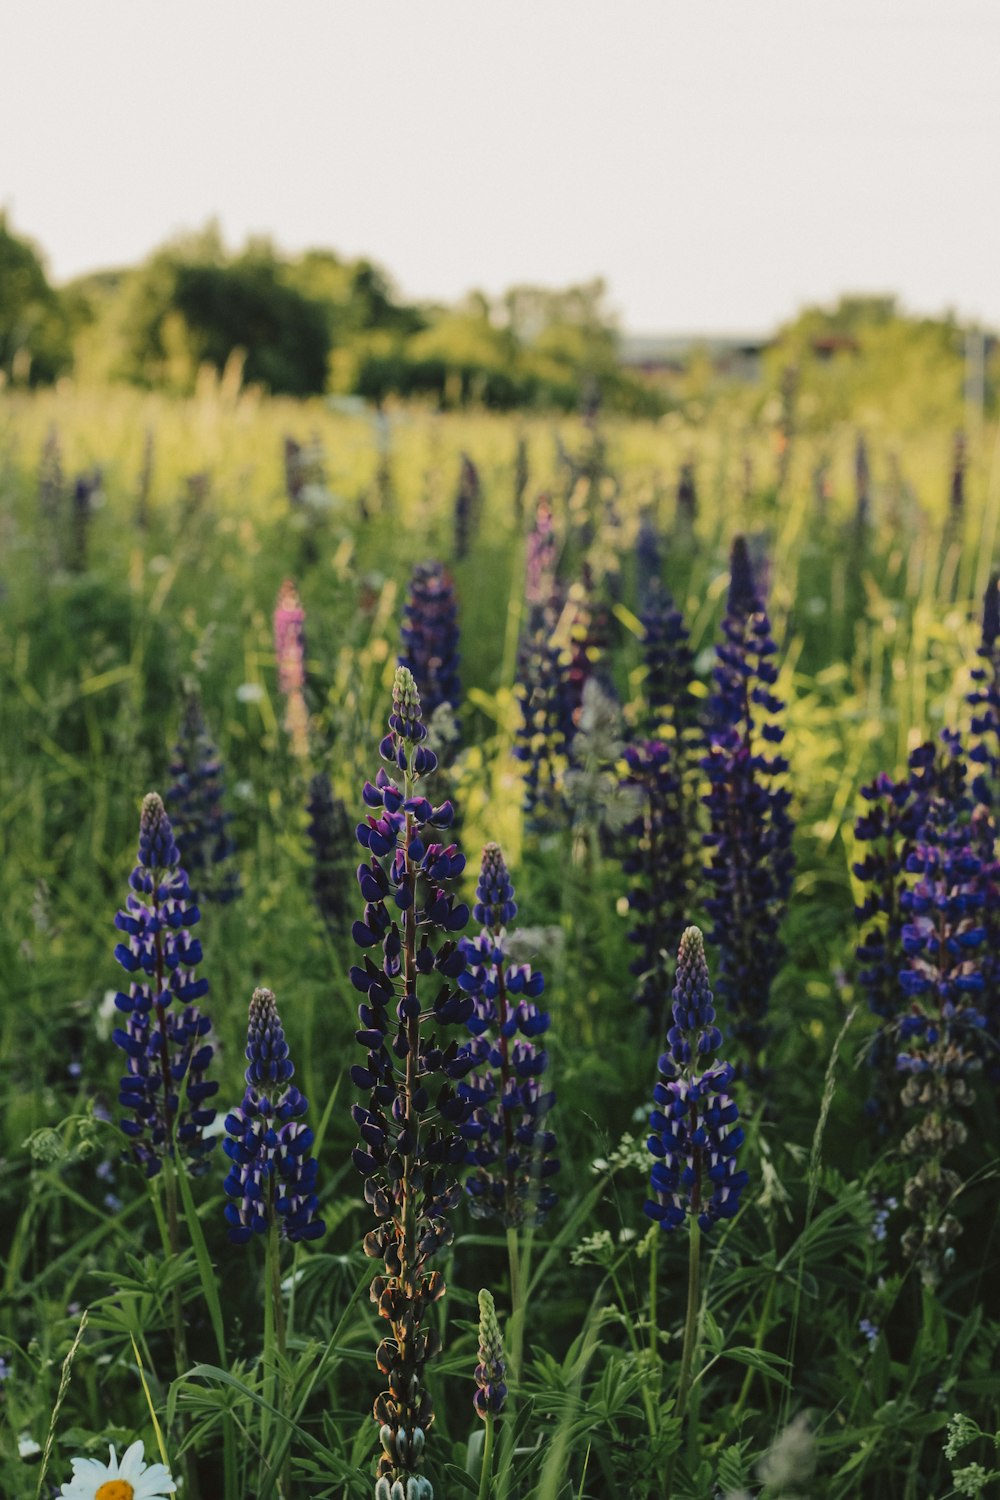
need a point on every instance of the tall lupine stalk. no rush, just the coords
(271, 1186)
(290, 651)
(522, 474)
(85, 488)
(541, 735)
(945, 980)
(468, 507)
(748, 847)
(429, 639)
(511, 1150)
(984, 700)
(165, 1037)
(329, 831)
(648, 558)
(411, 1127)
(491, 1383)
(201, 825)
(657, 859)
(695, 1131)
(687, 496)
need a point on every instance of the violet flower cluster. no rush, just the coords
(748, 846)
(429, 646)
(201, 825)
(541, 734)
(511, 1150)
(272, 1180)
(695, 1127)
(468, 509)
(412, 1149)
(330, 832)
(165, 1037)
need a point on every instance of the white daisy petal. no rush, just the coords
(132, 1466)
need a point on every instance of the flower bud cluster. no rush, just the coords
(510, 1149)
(411, 1148)
(696, 1133)
(272, 1179)
(165, 1037)
(201, 826)
(491, 1371)
(748, 847)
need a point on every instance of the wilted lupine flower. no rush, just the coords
(940, 1038)
(491, 1371)
(412, 1147)
(165, 1037)
(429, 645)
(468, 507)
(272, 1180)
(330, 834)
(510, 1149)
(290, 651)
(540, 737)
(201, 827)
(695, 1127)
(984, 700)
(658, 860)
(749, 859)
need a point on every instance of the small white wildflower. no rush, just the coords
(105, 1014)
(27, 1447)
(250, 692)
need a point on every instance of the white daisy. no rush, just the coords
(131, 1479)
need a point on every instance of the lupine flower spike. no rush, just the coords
(468, 507)
(511, 1150)
(695, 1127)
(330, 834)
(273, 1176)
(748, 848)
(491, 1371)
(429, 645)
(290, 651)
(540, 737)
(165, 1038)
(412, 1148)
(201, 826)
(984, 700)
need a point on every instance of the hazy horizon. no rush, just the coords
(719, 166)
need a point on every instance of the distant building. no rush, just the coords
(662, 358)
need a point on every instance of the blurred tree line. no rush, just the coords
(319, 322)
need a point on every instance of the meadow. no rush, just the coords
(814, 1355)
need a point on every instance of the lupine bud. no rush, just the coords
(510, 1148)
(695, 1128)
(273, 1175)
(165, 1037)
(748, 848)
(411, 1146)
(491, 1371)
(201, 827)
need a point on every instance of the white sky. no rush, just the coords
(718, 161)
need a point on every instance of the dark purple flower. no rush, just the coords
(468, 510)
(669, 665)
(331, 836)
(165, 1037)
(429, 645)
(411, 1150)
(540, 737)
(748, 847)
(509, 1147)
(696, 1133)
(272, 1179)
(201, 826)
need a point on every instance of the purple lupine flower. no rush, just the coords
(491, 1371)
(659, 864)
(165, 1037)
(695, 1128)
(510, 1148)
(468, 508)
(648, 558)
(201, 826)
(748, 846)
(984, 699)
(429, 644)
(272, 1179)
(412, 1148)
(540, 736)
(330, 834)
(669, 664)
(85, 488)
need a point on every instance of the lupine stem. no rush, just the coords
(691, 1321)
(272, 1300)
(486, 1474)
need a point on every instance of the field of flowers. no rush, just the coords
(383, 800)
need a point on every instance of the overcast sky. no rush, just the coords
(719, 162)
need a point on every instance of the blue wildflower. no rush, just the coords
(430, 638)
(165, 1037)
(510, 1148)
(273, 1176)
(201, 825)
(695, 1128)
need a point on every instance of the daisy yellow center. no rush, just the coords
(115, 1489)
